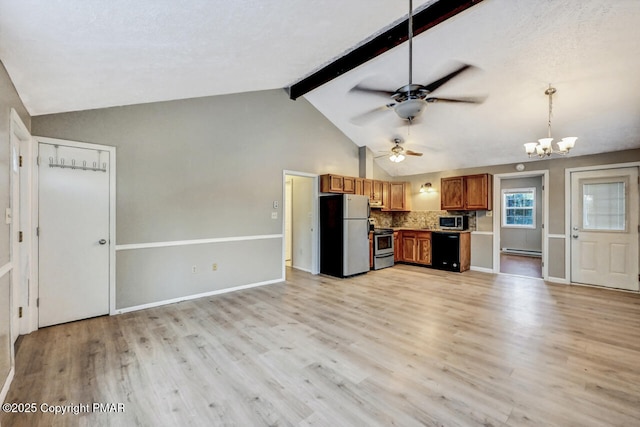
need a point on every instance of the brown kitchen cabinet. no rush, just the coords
(398, 196)
(367, 187)
(359, 186)
(466, 193)
(423, 247)
(376, 193)
(478, 192)
(415, 247)
(331, 183)
(390, 196)
(408, 241)
(397, 247)
(348, 185)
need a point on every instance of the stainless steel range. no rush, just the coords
(382, 248)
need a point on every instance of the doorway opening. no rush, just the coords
(300, 245)
(519, 224)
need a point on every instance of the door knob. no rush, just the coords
(102, 242)
(575, 236)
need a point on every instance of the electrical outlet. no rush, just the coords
(214, 267)
(275, 204)
(194, 269)
(274, 215)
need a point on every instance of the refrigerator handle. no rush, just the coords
(368, 209)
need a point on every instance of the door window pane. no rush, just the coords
(604, 206)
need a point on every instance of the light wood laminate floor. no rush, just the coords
(403, 346)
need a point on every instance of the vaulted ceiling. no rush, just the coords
(70, 55)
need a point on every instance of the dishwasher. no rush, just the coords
(445, 251)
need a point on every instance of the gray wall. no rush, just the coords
(199, 169)
(482, 244)
(529, 239)
(8, 99)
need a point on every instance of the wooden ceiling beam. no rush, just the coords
(422, 21)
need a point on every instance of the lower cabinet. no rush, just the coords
(415, 247)
(443, 250)
(423, 246)
(397, 247)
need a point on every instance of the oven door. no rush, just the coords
(383, 244)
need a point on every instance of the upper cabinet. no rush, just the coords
(452, 193)
(466, 193)
(390, 196)
(399, 196)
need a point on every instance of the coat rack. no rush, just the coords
(60, 163)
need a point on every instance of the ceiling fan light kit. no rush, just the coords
(397, 153)
(410, 100)
(410, 109)
(544, 146)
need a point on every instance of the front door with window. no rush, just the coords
(604, 228)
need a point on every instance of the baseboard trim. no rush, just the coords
(6, 268)
(7, 384)
(482, 269)
(196, 296)
(561, 280)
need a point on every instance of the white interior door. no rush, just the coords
(74, 233)
(604, 228)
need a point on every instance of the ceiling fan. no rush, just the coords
(409, 101)
(397, 153)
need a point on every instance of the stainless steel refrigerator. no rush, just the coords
(344, 235)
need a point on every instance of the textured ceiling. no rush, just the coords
(65, 55)
(589, 51)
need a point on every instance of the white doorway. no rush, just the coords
(522, 250)
(20, 250)
(521, 210)
(604, 227)
(300, 247)
(76, 230)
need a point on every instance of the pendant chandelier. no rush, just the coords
(543, 147)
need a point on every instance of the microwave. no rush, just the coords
(453, 222)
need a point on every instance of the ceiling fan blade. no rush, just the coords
(436, 84)
(412, 153)
(368, 116)
(381, 92)
(466, 99)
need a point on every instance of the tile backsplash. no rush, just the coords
(415, 219)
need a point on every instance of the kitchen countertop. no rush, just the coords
(428, 229)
